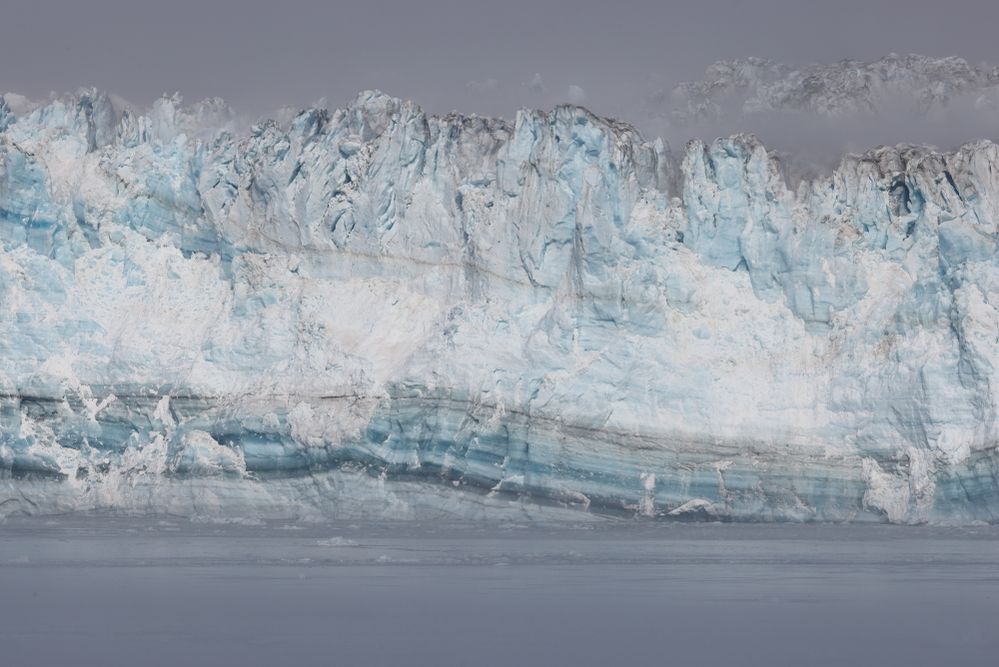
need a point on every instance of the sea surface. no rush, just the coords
(112, 591)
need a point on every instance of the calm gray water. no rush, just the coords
(101, 591)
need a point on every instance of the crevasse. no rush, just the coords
(373, 311)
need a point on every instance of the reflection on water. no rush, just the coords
(102, 591)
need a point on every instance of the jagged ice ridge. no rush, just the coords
(377, 312)
(914, 84)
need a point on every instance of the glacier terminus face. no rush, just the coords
(377, 312)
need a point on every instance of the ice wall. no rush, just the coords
(375, 311)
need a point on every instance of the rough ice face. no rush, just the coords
(373, 310)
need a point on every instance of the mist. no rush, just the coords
(485, 58)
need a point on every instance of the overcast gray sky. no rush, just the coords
(448, 54)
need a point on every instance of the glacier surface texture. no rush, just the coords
(372, 311)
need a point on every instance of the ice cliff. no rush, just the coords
(376, 311)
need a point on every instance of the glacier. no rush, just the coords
(376, 312)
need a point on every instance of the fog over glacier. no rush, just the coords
(478, 57)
